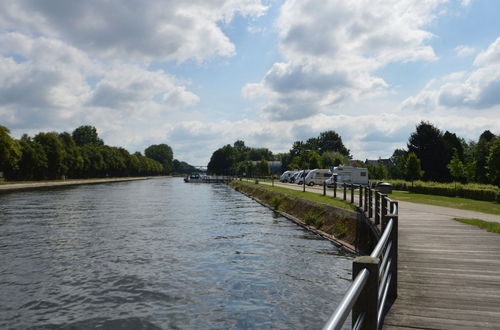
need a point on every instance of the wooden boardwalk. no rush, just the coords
(448, 272)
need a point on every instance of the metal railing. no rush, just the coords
(374, 285)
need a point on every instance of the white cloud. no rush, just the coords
(490, 56)
(44, 81)
(158, 30)
(476, 89)
(332, 49)
(464, 51)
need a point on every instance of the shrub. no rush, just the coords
(475, 191)
(277, 201)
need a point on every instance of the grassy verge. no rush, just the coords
(453, 202)
(307, 195)
(493, 227)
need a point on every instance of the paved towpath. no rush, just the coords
(448, 272)
(34, 185)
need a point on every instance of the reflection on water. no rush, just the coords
(160, 254)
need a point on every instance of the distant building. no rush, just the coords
(274, 166)
(376, 162)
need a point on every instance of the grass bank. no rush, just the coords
(493, 227)
(336, 219)
(453, 202)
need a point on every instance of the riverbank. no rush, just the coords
(337, 225)
(5, 187)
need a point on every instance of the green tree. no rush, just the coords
(377, 172)
(331, 141)
(481, 154)
(10, 150)
(33, 164)
(494, 162)
(313, 159)
(398, 168)
(332, 158)
(413, 168)
(86, 134)
(163, 154)
(54, 149)
(264, 167)
(428, 145)
(73, 160)
(223, 160)
(456, 167)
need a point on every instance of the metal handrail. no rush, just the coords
(383, 254)
(377, 251)
(342, 312)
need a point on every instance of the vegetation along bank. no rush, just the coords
(342, 226)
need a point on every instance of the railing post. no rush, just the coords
(345, 191)
(360, 196)
(377, 207)
(366, 199)
(370, 203)
(367, 301)
(352, 193)
(384, 209)
(324, 188)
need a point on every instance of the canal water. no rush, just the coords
(160, 254)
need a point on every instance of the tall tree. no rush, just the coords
(10, 150)
(413, 168)
(398, 168)
(494, 162)
(331, 159)
(264, 167)
(86, 134)
(331, 141)
(163, 154)
(481, 156)
(54, 149)
(73, 159)
(33, 163)
(428, 145)
(223, 161)
(456, 167)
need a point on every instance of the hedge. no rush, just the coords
(471, 191)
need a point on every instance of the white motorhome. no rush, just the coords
(348, 174)
(285, 177)
(318, 176)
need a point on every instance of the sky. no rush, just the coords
(201, 74)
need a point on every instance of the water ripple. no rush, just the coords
(160, 254)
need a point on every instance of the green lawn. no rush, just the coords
(307, 195)
(493, 227)
(453, 202)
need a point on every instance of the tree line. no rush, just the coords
(324, 151)
(430, 155)
(81, 154)
(433, 155)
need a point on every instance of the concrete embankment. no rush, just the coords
(48, 184)
(340, 226)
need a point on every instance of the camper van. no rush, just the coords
(300, 178)
(285, 177)
(348, 174)
(318, 176)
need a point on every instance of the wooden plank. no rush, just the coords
(448, 272)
